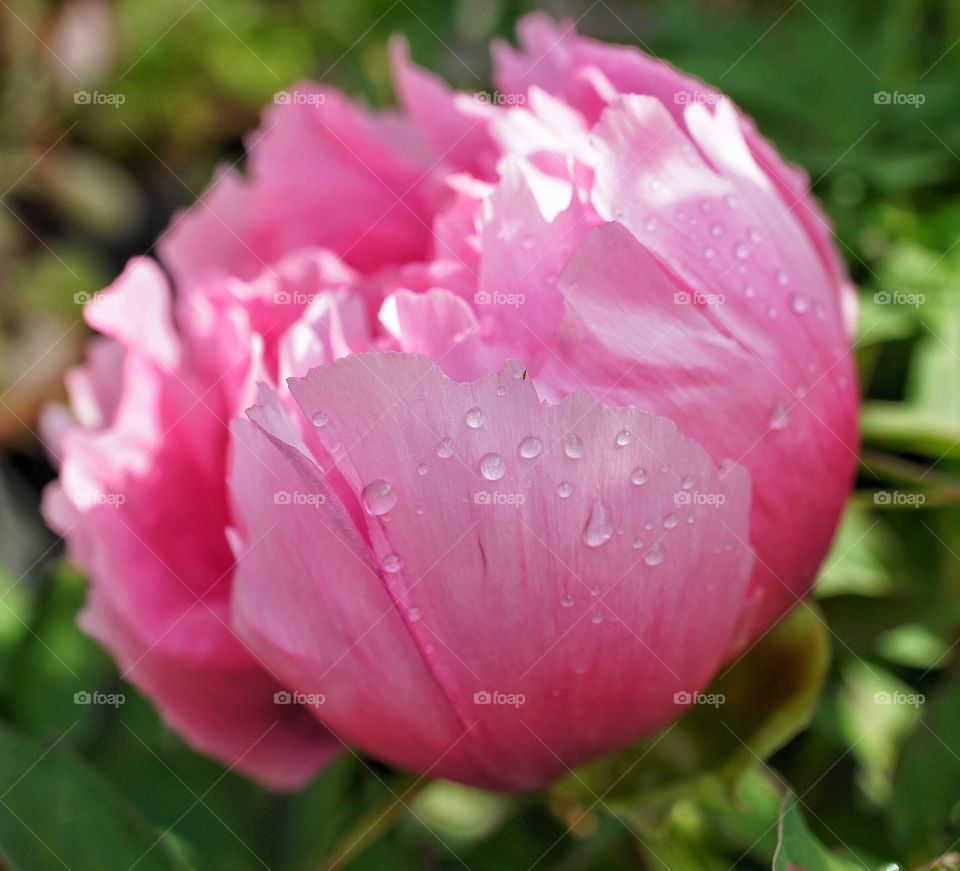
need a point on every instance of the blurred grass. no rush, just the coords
(86, 186)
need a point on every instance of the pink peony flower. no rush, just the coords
(476, 436)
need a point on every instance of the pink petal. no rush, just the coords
(633, 335)
(469, 577)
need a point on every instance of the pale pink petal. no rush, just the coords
(467, 547)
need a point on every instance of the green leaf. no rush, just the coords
(797, 849)
(56, 812)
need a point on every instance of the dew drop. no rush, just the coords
(799, 304)
(754, 234)
(378, 497)
(650, 225)
(717, 230)
(564, 489)
(422, 469)
(782, 278)
(637, 543)
(599, 528)
(687, 482)
(392, 563)
(492, 466)
(572, 446)
(530, 447)
(638, 476)
(749, 291)
(445, 448)
(670, 521)
(709, 253)
(528, 243)
(320, 419)
(474, 418)
(597, 618)
(731, 201)
(654, 556)
(741, 250)
(501, 390)
(779, 416)
(414, 614)
(566, 601)
(624, 437)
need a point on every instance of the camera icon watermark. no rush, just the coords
(899, 98)
(912, 700)
(683, 297)
(485, 497)
(894, 297)
(689, 98)
(495, 697)
(713, 700)
(695, 497)
(295, 497)
(292, 697)
(98, 98)
(899, 499)
(498, 98)
(112, 500)
(514, 300)
(298, 98)
(95, 697)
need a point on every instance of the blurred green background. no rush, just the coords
(876, 771)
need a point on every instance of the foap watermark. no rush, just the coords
(912, 700)
(695, 497)
(296, 497)
(683, 297)
(899, 98)
(713, 700)
(515, 300)
(899, 498)
(292, 697)
(689, 98)
(297, 297)
(98, 98)
(485, 497)
(82, 297)
(95, 697)
(113, 500)
(895, 297)
(299, 98)
(497, 98)
(495, 697)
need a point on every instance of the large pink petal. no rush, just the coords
(634, 333)
(573, 578)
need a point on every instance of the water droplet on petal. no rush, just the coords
(474, 418)
(501, 390)
(717, 230)
(564, 489)
(530, 447)
(414, 614)
(445, 448)
(599, 527)
(320, 419)
(597, 618)
(687, 482)
(650, 225)
(779, 416)
(638, 476)
(492, 466)
(670, 521)
(731, 201)
(566, 601)
(709, 253)
(528, 243)
(572, 446)
(654, 556)
(422, 469)
(741, 250)
(799, 304)
(378, 497)
(392, 563)
(624, 437)
(782, 278)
